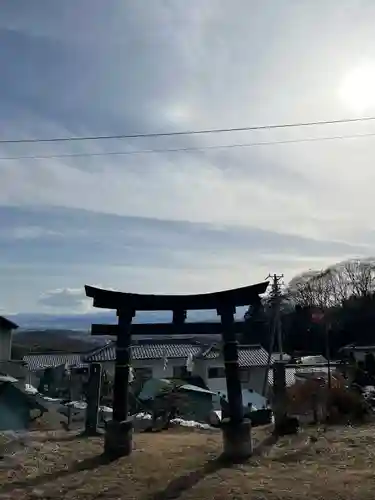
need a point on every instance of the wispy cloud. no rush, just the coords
(74, 247)
(70, 299)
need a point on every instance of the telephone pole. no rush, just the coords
(275, 304)
(275, 324)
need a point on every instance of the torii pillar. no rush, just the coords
(119, 431)
(236, 430)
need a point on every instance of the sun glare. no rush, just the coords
(178, 113)
(357, 90)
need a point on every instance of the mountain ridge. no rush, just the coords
(83, 322)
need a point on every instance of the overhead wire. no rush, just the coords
(187, 149)
(189, 132)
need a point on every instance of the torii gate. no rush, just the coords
(236, 431)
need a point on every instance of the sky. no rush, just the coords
(182, 221)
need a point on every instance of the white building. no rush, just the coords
(167, 359)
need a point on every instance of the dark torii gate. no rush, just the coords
(236, 431)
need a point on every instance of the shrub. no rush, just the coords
(344, 402)
(337, 404)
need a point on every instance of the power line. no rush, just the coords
(189, 132)
(187, 149)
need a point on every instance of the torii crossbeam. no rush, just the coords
(236, 432)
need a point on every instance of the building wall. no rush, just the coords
(360, 355)
(156, 365)
(5, 344)
(252, 379)
(256, 382)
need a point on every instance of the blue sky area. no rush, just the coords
(180, 222)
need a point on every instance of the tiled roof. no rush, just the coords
(247, 355)
(250, 355)
(51, 360)
(146, 351)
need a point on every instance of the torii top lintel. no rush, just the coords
(109, 299)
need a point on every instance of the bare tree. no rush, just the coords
(333, 286)
(361, 276)
(307, 289)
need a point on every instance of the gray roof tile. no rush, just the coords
(51, 360)
(146, 351)
(250, 355)
(247, 355)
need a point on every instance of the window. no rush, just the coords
(217, 372)
(180, 371)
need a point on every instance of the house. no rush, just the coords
(170, 359)
(252, 361)
(55, 371)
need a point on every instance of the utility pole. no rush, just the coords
(275, 303)
(275, 325)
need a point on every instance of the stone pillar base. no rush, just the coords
(237, 440)
(118, 440)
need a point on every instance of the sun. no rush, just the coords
(357, 89)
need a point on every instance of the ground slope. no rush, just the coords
(183, 464)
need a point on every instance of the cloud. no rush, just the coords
(145, 255)
(71, 236)
(72, 299)
(27, 233)
(69, 300)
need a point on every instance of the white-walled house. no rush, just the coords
(167, 359)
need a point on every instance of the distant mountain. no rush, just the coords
(71, 333)
(52, 340)
(26, 341)
(82, 322)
